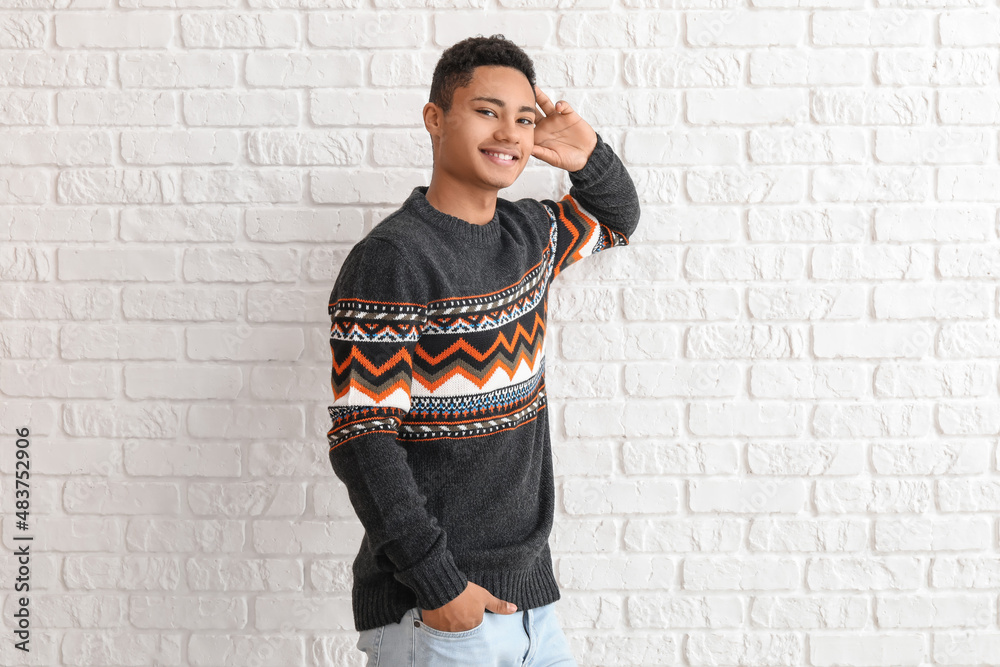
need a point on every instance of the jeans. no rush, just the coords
(528, 638)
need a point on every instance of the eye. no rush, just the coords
(490, 111)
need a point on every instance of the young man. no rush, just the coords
(439, 423)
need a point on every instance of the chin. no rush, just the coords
(507, 184)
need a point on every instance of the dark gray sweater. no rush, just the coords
(439, 423)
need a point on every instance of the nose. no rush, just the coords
(507, 132)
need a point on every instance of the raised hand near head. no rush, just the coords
(562, 137)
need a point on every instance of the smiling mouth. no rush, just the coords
(492, 157)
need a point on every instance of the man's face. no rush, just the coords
(472, 126)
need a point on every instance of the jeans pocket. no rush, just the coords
(444, 634)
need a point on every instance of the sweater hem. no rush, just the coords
(386, 602)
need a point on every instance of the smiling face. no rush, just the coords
(494, 113)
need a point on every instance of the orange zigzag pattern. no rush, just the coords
(564, 204)
(519, 331)
(474, 379)
(401, 383)
(401, 355)
(538, 330)
(378, 397)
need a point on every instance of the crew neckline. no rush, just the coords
(463, 229)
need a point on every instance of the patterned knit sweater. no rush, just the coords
(439, 427)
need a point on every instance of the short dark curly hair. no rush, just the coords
(455, 67)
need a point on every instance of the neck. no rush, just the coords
(474, 205)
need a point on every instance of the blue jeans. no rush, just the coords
(529, 638)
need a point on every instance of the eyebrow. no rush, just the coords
(500, 103)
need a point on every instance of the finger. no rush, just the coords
(544, 102)
(544, 154)
(562, 106)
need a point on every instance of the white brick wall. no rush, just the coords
(774, 415)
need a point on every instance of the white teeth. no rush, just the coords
(500, 155)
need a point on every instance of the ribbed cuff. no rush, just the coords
(435, 581)
(598, 162)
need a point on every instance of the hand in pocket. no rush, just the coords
(466, 611)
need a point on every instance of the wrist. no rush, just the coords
(586, 161)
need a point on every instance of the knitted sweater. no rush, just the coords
(439, 427)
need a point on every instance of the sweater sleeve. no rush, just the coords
(377, 312)
(600, 211)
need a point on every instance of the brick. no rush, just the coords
(862, 28)
(801, 67)
(667, 69)
(747, 574)
(945, 224)
(807, 535)
(118, 264)
(66, 148)
(757, 28)
(744, 418)
(177, 70)
(683, 535)
(681, 380)
(123, 30)
(807, 303)
(872, 421)
(182, 381)
(625, 30)
(808, 612)
(656, 147)
(255, 30)
(805, 458)
(359, 29)
(819, 223)
(154, 147)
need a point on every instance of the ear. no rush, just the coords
(433, 121)
(433, 117)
